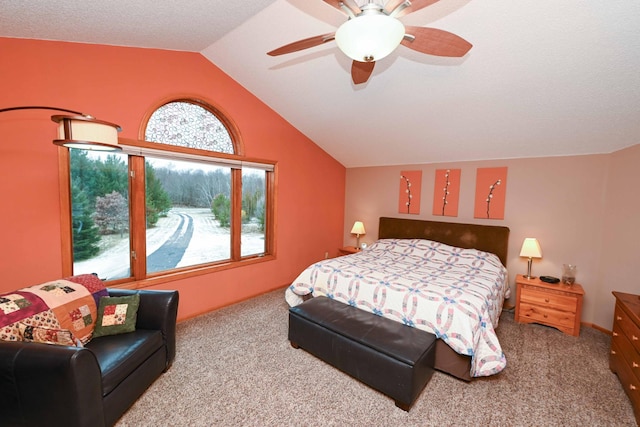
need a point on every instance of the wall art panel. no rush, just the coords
(409, 194)
(491, 189)
(446, 192)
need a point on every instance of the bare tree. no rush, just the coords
(112, 213)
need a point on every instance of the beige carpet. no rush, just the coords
(235, 367)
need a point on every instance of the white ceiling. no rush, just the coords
(544, 77)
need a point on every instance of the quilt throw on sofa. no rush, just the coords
(58, 312)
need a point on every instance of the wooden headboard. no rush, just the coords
(487, 238)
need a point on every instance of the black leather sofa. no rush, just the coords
(50, 385)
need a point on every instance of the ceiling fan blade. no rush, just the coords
(350, 4)
(360, 71)
(435, 42)
(302, 44)
(415, 5)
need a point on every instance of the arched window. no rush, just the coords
(181, 200)
(187, 124)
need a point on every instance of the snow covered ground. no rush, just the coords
(209, 242)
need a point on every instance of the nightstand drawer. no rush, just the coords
(629, 328)
(546, 315)
(626, 350)
(548, 299)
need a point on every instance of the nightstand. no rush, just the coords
(557, 305)
(348, 250)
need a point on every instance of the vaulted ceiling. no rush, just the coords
(544, 77)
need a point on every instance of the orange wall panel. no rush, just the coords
(120, 85)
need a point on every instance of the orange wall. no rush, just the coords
(119, 84)
(583, 210)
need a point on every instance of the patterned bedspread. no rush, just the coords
(456, 294)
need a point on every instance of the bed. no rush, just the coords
(446, 278)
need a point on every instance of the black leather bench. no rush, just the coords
(393, 358)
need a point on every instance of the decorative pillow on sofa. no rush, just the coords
(47, 335)
(116, 315)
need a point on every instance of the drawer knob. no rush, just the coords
(613, 352)
(618, 318)
(615, 334)
(632, 387)
(545, 316)
(546, 300)
(634, 364)
(634, 338)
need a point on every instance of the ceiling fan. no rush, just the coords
(373, 31)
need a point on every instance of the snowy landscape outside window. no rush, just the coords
(186, 218)
(100, 213)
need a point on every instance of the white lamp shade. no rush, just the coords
(358, 228)
(369, 38)
(87, 133)
(531, 248)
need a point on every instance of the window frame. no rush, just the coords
(234, 133)
(136, 151)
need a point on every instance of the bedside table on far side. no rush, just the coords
(553, 304)
(348, 250)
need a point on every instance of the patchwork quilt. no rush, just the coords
(58, 312)
(453, 293)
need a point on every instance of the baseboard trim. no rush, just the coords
(596, 327)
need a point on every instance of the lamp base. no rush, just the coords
(528, 276)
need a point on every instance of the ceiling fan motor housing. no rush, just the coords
(370, 36)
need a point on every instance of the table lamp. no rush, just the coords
(358, 229)
(530, 249)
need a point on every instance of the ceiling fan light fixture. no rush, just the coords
(369, 37)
